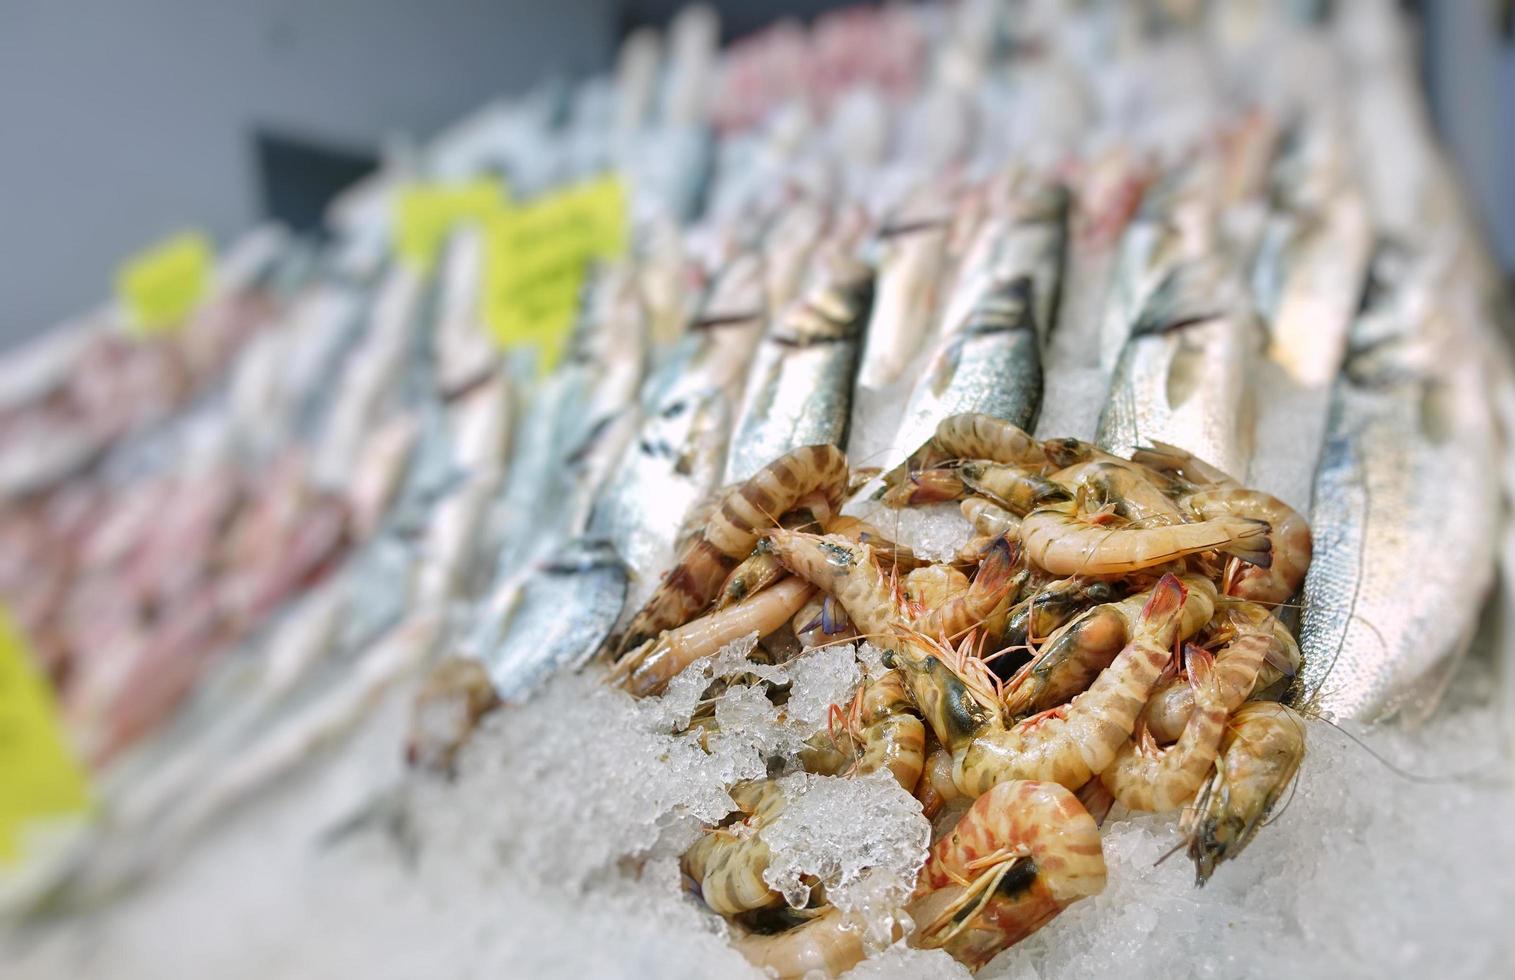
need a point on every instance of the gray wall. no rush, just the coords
(124, 120)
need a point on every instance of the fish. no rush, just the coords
(1184, 376)
(1025, 234)
(787, 248)
(1404, 515)
(1173, 224)
(989, 357)
(799, 392)
(913, 257)
(673, 462)
(729, 326)
(565, 612)
(992, 366)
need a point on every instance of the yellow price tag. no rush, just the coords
(161, 286)
(536, 257)
(39, 777)
(425, 214)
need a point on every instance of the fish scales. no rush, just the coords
(799, 392)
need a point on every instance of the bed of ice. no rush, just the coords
(554, 853)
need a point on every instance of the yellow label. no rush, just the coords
(39, 777)
(425, 214)
(536, 257)
(162, 285)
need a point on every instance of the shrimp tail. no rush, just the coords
(996, 567)
(1173, 461)
(1277, 657)
(1253, 545)
(1166, 601)
(1200, 663)
(926, 487)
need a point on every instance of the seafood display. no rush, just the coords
(1015, 420)
(1139, 702)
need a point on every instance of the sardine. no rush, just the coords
(1184, 376)
(566, 610)
(1404, 516)
(800, 390)
(993, 366)
(910, 269)
(673, 463)
(787, 248)
(1174, 224)
(989, 356)
(729, 326)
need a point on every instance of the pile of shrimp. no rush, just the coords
(1108, 636)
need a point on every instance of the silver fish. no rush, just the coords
(1024, 236)
(1404, 515)
(567, 608)
(673, 463)
(910, 270)
(993, 366)
(1172, 225)
(799, 392)
(1184, 376)
(989, 357)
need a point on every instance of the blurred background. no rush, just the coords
(126, 121)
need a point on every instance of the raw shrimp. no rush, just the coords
(882, 731)
(845, 570)
(972, 436)
(730, 533)
(649, 669)
(821, 613)
(983, 604)
(827, 945)
(1260, 754)
(1064, 542)
(1066, 745)
(1210, 493)
(760, 570)
(989, 438)
(990, 519)
(890, 554)
(928, 486)
(1017, 489)
(728, 861)
(1034, 618)
(1022, 853)
(930, 586)
(1289, 538)
(1145, 777)
(1123, 485)
(1070, 660)
(1260, 651)
(936, 788)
